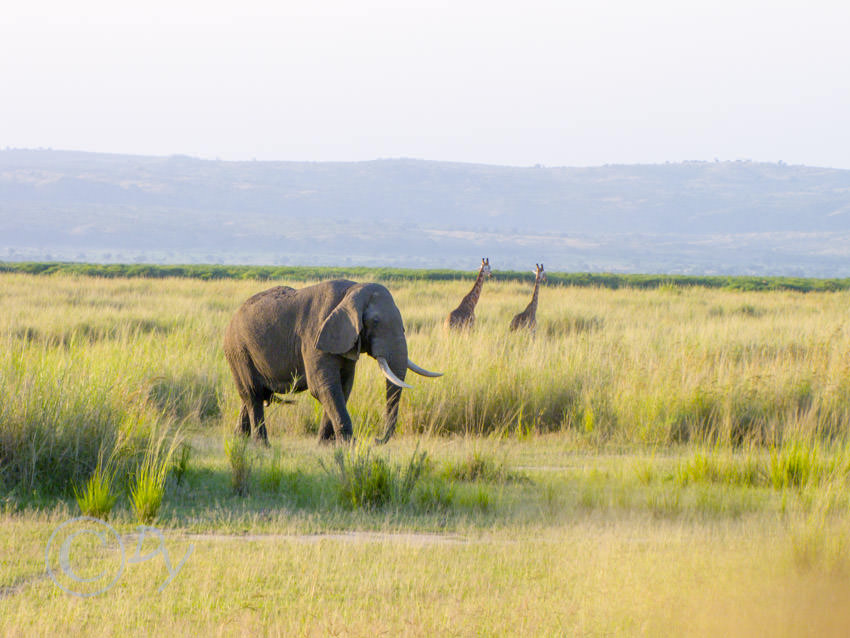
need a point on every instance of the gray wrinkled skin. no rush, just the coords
(285, 340)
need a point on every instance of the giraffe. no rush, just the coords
(528, 317)
(464, 315)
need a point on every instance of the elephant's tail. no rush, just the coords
(276, 399)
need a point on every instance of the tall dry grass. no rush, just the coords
(85, 363)
(90, 369)
(625, 366)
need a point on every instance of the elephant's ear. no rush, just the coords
(340, 332)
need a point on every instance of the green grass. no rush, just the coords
(148, 478)
(796, 466)
(238, 453)
(478, 466)
(271, 474)
(726, 469)
(368, 480)
(147, 488)
(663, 461)
(584, 546)
(181, 463)
(97, 497)
(668, 283)
(88, 364)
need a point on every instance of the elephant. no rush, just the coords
(284, 340)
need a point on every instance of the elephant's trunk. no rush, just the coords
(398, 367)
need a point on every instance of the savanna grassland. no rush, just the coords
(669, 461)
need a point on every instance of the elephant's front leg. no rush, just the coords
(332, 389)
(326, 429)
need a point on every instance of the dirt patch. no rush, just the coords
(21, 584)
(409, 538)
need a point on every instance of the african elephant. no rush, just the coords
(285, 340)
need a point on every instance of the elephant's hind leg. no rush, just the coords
(244, 422)
(258, 420)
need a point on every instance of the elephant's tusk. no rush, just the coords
(385, 368)
(425, 373)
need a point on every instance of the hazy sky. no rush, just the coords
(558, 83)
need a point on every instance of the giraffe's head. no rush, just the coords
(539, 273)
(485, 266)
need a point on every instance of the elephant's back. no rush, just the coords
(256, 314)
(331, 291)
(282, 313)
(278, 294)
(260, 333)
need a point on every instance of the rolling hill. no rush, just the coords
(694, 217)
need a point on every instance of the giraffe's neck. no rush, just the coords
(468, 303)
(532, 307)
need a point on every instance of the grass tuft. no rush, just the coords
(434, 496)
(181, 464)
(365, 481)
(477, 466)
(237, 451)
(271, 473)
(702, 468)
(795, 466)
(147, 488)
(96, 498)
(147, 481)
